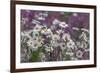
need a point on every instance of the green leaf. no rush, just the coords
(67, 14)
(36, 54)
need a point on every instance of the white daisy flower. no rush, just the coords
(66, 37)
(35, 33)
(34, 44)
(79, 54)
(55, 37)
(38, 27)
(26, 34)
(44, 30)
(63, 46)
(54, 43)
(71, 44)
(47, 32)
(63, 25)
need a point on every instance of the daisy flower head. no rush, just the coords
(35, 33)
(55, 37)
(79, 54)
(37, 27)
(54, 43)
(48, 32)
(44, 30)
(34, 44)
(71, 44)
(66, 37)
(30, 43)
(63, 46)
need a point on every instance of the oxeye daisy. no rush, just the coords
(71, 44)
(79, 54)
(66, 37)
(55, 37)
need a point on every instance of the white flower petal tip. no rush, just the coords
(75, 28)
(63, 25)
(75, 14)
(86, 30)
(56, 21)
